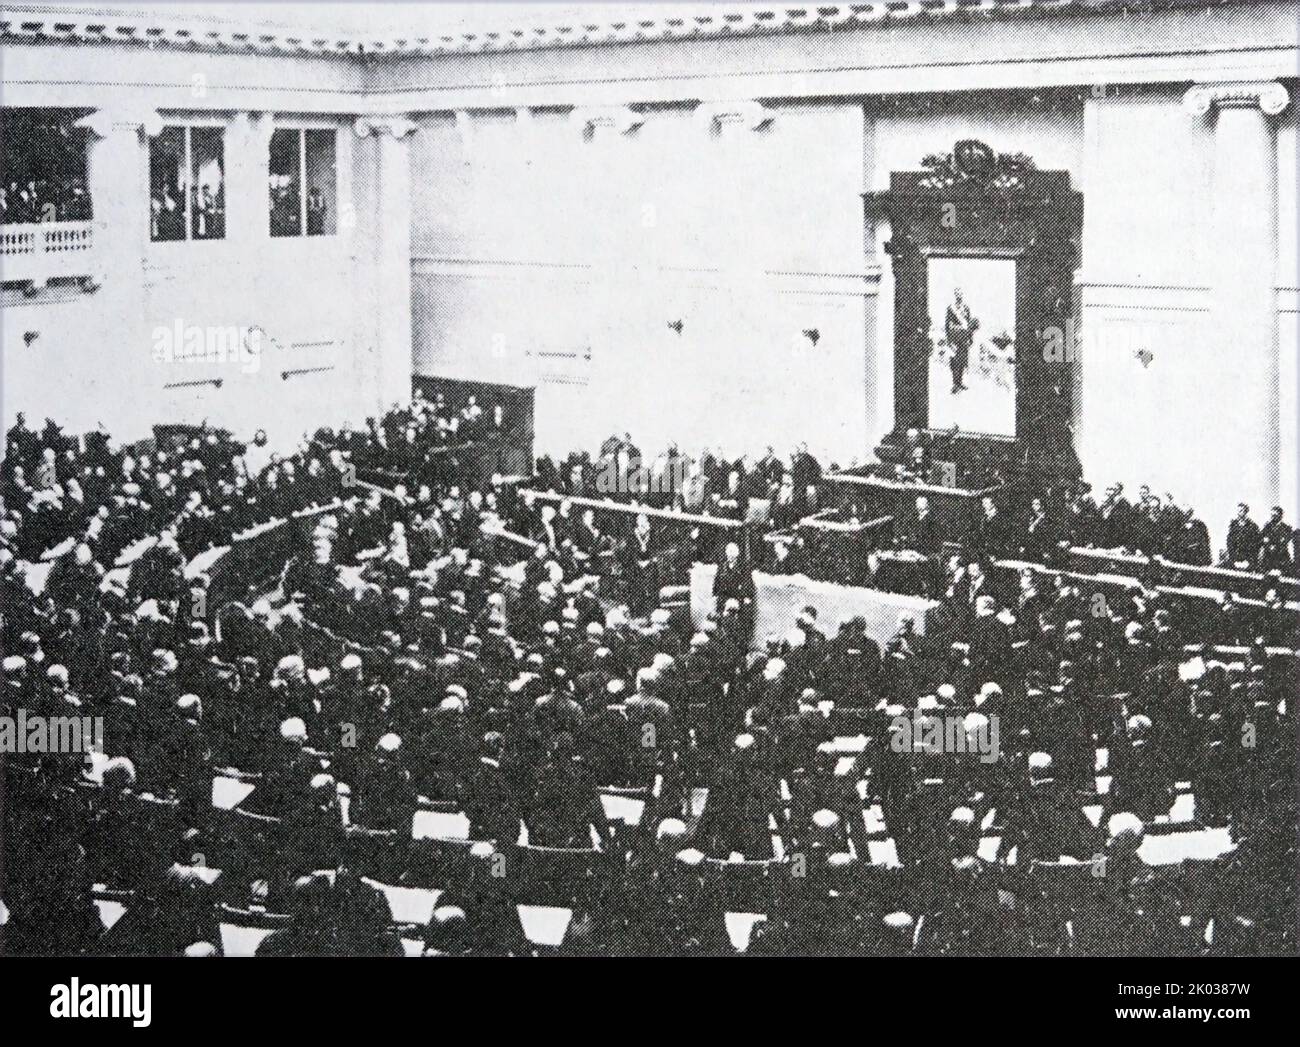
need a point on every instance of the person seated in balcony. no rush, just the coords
(209, 222)
(317, 212)
(284, 208)
(25, 202)
(167, 215)
(75, 204)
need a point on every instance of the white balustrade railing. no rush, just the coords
(43, 251)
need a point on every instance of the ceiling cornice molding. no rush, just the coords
(33, 24)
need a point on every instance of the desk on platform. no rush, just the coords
(955, 509)
(841, 548)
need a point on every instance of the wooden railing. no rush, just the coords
(633, 510)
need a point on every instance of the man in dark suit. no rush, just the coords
(640, 567)
(990, 643)
(966, 589)
(651, 727)
(1230, 623)
(806, 472)
(1117, 520)
(1243, 538)
(1084, 524)
(1275, 544)
(734, 580)
(925, 530)
(992, 534)
(787, 507)
(1040, 534)
(1193, 541)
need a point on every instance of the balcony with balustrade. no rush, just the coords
(36, 253)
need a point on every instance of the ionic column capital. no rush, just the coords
(620, 119)
(105, 122)
(396, 126)
(257, 127)
(716, 115)
(1269, 96)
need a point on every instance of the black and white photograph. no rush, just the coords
(650, 479)
(972, 343)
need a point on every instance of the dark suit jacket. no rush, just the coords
(1118, 525)
(1275, 546)
(733, 583)
(925, 536)
(1243, 541)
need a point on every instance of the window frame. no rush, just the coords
(186, 124)
(300, 127)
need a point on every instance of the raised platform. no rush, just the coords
(782, 597)
(955, 509)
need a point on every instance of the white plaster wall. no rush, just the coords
(534, 244)
(1180, 423)
(1288, 281)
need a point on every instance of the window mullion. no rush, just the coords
(302, 183)
(186, 188)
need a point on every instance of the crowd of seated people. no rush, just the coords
(444, 646)
(44, 199)
(908, 555)
(56, 487)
